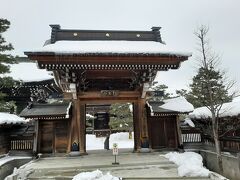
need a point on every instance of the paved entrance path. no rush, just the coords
(132, 165)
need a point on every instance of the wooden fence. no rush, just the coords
(228, 143)
(21, 143)
(191, 135)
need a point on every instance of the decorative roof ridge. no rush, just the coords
(59, 34)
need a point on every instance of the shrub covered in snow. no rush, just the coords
(189, 164)
(94, 175)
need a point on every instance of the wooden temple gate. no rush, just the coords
(98, 66)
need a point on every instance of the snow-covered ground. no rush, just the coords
(94, 175)
(122, 139)
(189, 164)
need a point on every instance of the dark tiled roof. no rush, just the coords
(38, 110)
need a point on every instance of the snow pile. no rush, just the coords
(122, 139)
(189, 164)
(228, 109)
(189, 122)
(92, 142)
(94, 175)
(27, 72)
(6, 118)
(179, 104)
(89, 116)
(113, 47)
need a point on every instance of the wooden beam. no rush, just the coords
(96, 95)
(139, 60)
(179, 132)
(109, 74)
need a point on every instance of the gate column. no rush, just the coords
(144, 138)
(82, 128)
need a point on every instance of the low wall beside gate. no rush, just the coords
(231, 164)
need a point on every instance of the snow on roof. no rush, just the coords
(27, 72)
(6, 118)
(228, 109)
(189, 122)
(110, 47)
(179, 104)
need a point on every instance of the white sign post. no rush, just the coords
(115, 153)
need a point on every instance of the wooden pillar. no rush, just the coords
(140, 124)
(136, 127)
(82, 128)
(35, 138)
(74, 127)
(143, 120)
(179, 132)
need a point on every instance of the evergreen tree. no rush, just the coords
(121, 117)
(199, 93)
(210, 87)
(4, 68)
(163, 88)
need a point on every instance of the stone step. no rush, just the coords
(20, 153)
(129, 178)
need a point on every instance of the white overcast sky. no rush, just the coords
(30, 21)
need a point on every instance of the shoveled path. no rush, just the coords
(132, 166)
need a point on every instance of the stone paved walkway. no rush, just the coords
(132, 165)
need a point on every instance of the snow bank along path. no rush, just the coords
(189, 164)
(94, 175)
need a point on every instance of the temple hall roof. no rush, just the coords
(106, 42)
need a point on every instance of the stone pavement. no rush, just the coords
(132, 166)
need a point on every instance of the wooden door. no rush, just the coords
(171, 131)
(61, 136)
(163, 132)
(157, 135)
(46, 137)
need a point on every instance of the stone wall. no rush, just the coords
(7, 168)
(231, 164)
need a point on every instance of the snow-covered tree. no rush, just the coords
(121, 117)
(4, 60)
(210, 88)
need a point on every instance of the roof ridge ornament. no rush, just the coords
(156, 31)
(59, 34)
(55, 28)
